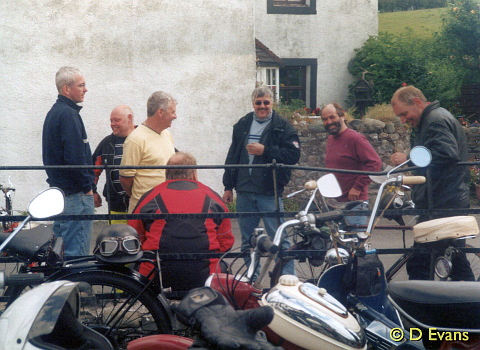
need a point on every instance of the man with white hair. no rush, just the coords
(110, 152)
(149, 144)
(65, 142)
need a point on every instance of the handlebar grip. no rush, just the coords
(310, 185)
(413, 180)
(24, 279)
(320, 219)
(265, 244)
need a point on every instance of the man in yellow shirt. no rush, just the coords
(149, 144)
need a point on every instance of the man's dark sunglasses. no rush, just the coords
(266, 103)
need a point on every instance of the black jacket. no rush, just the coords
(281, 143)
(443, 135)
(105, 153)
(65, 142)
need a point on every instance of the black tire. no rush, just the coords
(145, 317)
(474, 259)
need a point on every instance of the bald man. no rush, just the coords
(110, 151)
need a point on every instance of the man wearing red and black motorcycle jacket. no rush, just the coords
(182, 193)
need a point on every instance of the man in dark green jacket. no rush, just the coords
(260, 137)
(443, 135)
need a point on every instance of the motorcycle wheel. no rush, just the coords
(474, 259)
(120, 309)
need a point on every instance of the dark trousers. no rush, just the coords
(418, 266)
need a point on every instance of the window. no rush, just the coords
(292, 7)
(298, 80)
(269, 76)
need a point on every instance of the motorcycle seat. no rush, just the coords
(29, 243)
(445, 228)
(334, 204)
(438, 304)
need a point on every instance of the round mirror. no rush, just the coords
(329, 186)
(48, 203)
(420, 156)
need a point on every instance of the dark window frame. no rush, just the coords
(293, 9)
(312, 62)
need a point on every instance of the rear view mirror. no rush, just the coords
(48, 203)
(420, 156)
(329, 186)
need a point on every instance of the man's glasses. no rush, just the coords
(81, 86)
(259, 103)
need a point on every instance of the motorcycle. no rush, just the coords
(305, 316)
(352, 307)
(127, 306)
(443, 308)
(46, 316)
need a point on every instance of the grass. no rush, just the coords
(420, 24)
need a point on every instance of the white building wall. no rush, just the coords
(330, 36)
(200, 51)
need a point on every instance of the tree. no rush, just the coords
(460, 37)
(438, 67)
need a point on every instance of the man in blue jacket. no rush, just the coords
(260, 137)
(65, 142)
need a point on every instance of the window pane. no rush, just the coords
(289, 2)
(269, 77)
(293, 83)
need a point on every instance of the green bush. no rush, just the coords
(438, 67)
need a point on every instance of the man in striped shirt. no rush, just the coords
(110, 152)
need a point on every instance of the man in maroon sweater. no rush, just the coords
(349, 150)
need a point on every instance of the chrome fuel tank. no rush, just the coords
(311, 318)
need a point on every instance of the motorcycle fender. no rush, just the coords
(160, 342)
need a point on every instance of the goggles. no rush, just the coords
(111, 245)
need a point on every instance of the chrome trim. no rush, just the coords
(326, 300)
(314, 319)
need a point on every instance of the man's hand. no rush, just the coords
(97, 200)
(255, 149)
(127, 183)
(353, 194)
(228, 197)
(398, 158)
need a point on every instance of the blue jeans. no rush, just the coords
(76, 234)
(357, 220)
(254, 202)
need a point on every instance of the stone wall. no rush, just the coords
(385, 138)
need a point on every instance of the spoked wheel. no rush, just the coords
(474, 259)
(120, 310)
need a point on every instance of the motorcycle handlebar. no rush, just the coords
(334, 215)
(265, 244)
(413, 180)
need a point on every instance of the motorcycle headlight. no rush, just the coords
(443, 267)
